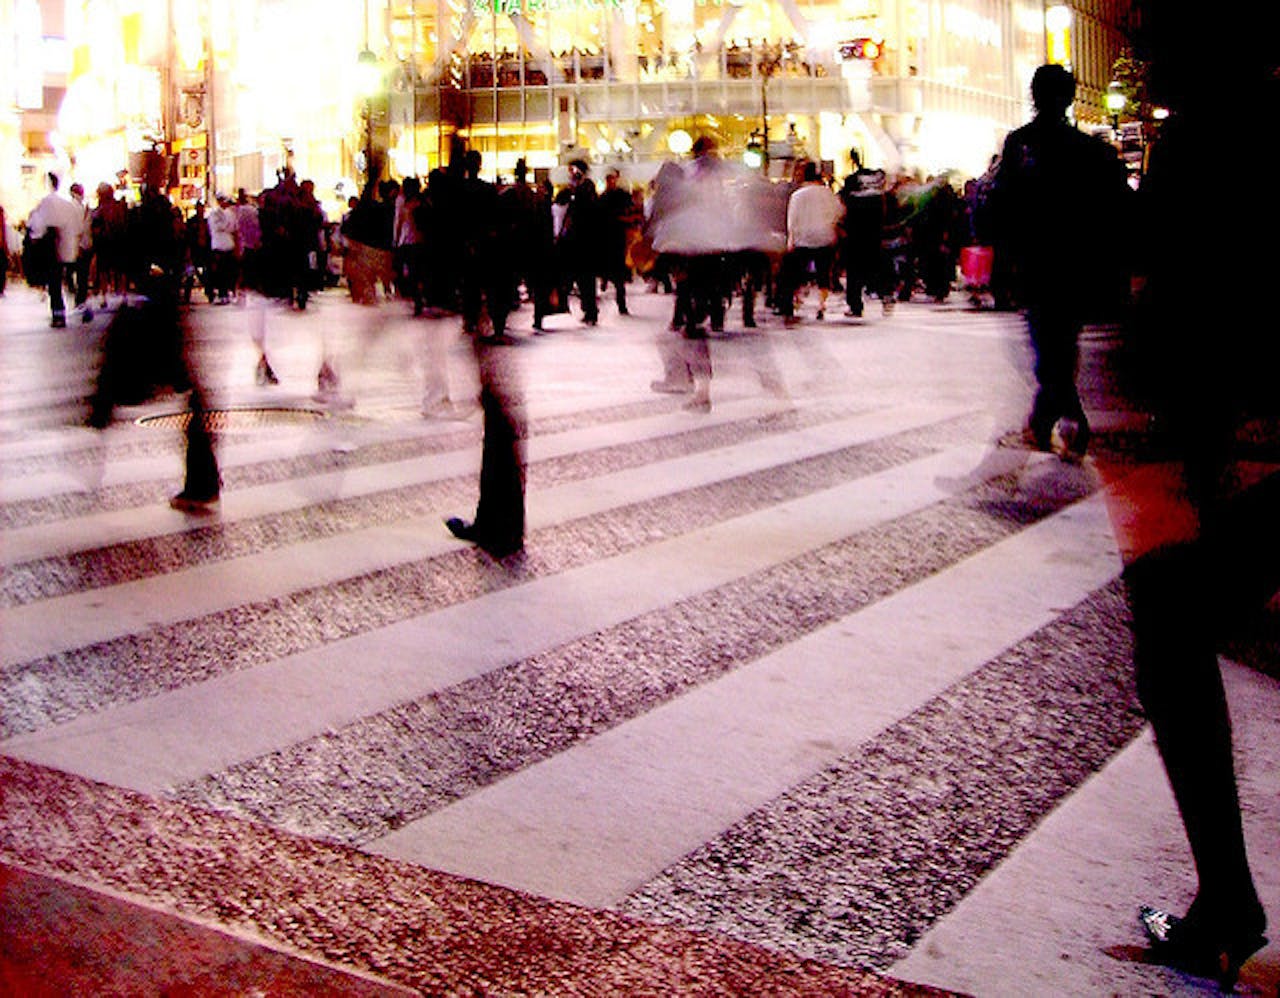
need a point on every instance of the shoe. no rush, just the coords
(699, 403)
(184, 503)
(1068, 440)
(1189, 945)
(58, 322)
(665, 387)
(821, 314)
(590, 322)
(461, 529)
(327, 379)
(498, 340)
(263, 375)
(853, 313)
(465, 531)
(791, 320)
(623, 311)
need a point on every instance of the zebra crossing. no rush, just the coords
(810, 671)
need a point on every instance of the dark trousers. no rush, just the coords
(700, 292)
(499, 521)
(57, 304)
(80, 277)
(617, 273)
(1054, 332)
(1173, 601)
(800, 266)
(583, 276)
(862, 273)
(223, 269)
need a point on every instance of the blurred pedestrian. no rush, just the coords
(499, 523)
(863, 199)
(618, 218)
(4, 251)
(55, 224)
(222, 249)
(198, 265)
(108, 224)
(579, 244)
(82, 269)
(498, 526)
(1059, 200)
(409, 244)
(528, 214)
(248, 244)
(486, 275)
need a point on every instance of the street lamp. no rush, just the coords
(1115, 102)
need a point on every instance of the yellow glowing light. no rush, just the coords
(679, 142)
(1057, 18)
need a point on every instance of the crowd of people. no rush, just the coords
(438, 242)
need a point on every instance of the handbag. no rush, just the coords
(975, 265)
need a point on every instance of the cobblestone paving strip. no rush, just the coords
(132, 560)
(375, 775)
(59, 687)
(855, 864)
(440, 934)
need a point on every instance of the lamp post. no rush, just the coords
(769, 64)
(368, 82)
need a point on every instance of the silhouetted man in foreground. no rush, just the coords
(1059, 197)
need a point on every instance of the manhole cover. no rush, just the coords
(250, 417)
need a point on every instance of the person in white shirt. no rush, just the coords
(61, 215)
(813, 215)
(222, 245)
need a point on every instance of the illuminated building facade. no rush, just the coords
(936, 88)
(236, 89)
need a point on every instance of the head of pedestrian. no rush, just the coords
(703, 146)
(522, 170)
(1053, 88)
(612, 177)
(53, 180)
